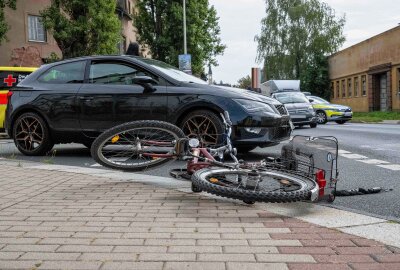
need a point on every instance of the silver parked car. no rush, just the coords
(300, 109)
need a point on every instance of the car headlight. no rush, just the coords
(254, 106)
(310, 109)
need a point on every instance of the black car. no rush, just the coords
(76, 99)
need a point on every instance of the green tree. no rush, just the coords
(315, 78)
(244, 82)
(83, 27)
(160, 28)
(3, 24)
(294, 34)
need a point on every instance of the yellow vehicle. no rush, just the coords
(9, 77)
(326, 111)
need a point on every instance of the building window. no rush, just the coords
(129, 7)
(364, 85)
(337, 89)
(398, 81)
(343, 88)
(356, 86)
(332, 90)
(349, 88)
(36, 29)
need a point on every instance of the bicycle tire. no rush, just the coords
(201, 180)
(170, 132)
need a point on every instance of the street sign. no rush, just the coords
(185, 63)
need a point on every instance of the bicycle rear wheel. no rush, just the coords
(134, 146)
(263, 185)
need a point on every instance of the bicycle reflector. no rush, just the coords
(321, 181)
(4, 97)
(115, 139)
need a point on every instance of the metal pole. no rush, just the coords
(184, 28)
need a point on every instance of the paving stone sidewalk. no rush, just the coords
(53, 220)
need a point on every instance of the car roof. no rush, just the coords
(288, 93)
(19, 69)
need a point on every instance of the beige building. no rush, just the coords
(366, 76)
(29, 44)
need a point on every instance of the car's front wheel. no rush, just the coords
(321, 117)
(31, 135)
(204, 125)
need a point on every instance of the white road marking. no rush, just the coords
(393, 167)
(353, 156)
(374, 161)
(96, 165)
(366, 160)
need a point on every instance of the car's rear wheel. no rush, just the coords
(321, 117)
(31, 135)
(205, 126)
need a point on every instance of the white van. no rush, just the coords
(273, 86)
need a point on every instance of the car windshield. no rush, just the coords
(286, 98)
(318, 100)
(173, 72)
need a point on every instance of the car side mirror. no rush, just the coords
(311, 100)
(145, 81)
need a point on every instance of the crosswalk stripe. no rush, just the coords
(393, 167)
(373, 161)
(353, 156)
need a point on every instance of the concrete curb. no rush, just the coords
(345, 221)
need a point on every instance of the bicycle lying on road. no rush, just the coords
(306, 170)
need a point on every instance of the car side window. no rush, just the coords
(65, 73)
(118, 73)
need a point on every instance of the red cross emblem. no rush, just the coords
(10, 80)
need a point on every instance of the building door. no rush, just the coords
(383, 92)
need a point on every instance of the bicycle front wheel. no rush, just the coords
(263, 185)
(136, 146)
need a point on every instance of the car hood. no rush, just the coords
(337, 106)
(291, 106)
(332, 106)
(244, 94)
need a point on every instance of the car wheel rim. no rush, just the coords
(203, 128)
(321, 118)
(29, 133)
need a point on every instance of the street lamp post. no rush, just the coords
(184, 28)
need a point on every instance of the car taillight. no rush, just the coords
(9, 94)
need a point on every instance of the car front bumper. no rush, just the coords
(262, 136)
(303, 119)
(337, 116)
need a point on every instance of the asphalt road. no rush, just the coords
(369, 157)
